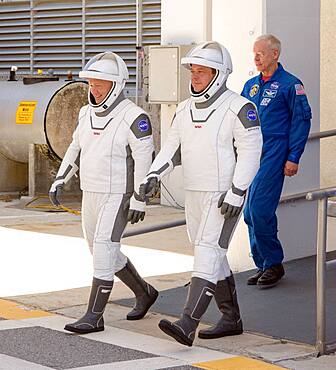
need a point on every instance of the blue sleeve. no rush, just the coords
(300, 122)
(245, 91)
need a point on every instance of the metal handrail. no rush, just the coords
(321, 134)
(321, 267)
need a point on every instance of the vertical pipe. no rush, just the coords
(31, 34)
(207, 20)
(138, 49)
(321, 275)
(83, 32)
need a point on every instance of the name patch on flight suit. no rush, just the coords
(265, 101)
(254, 90)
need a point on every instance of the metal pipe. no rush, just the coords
(149, 229)
(322, 134)
(83, 31)
(31, 32)
(138, 49)
(321, 276)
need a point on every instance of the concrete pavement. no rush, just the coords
(247, 351)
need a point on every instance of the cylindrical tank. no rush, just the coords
(39, 113)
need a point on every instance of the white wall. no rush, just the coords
(236, 24)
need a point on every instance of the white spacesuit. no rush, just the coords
(114, 144)
(215, 135)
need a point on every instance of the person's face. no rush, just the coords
(201, 77)
(99, 89)
(265, 58)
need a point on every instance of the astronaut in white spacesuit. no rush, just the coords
(114, 144)
(215, 135)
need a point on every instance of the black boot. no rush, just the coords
(230, 322)
(199, 297)
(93, 320)
(145, 294)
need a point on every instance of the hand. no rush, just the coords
(228, 210)
(147, 187)
(55, 191)
(136, 210)
(135, 216)
(230, 204)
(291, 168)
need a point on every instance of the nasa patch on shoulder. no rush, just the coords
(143, 125)
(251, 115)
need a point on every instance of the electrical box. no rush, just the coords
(168, 80)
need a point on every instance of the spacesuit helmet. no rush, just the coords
(110, 67)
(213, 55)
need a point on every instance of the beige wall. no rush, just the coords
(328, 91)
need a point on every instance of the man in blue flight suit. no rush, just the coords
(285, 117)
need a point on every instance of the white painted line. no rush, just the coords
(38, 263)
(139, 364)
(136, 341)
(11, 363)
(13, 324)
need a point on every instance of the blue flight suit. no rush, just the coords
(285, 116)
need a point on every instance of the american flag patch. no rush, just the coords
(299, 89)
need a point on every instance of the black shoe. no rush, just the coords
(271, 276)
(252, 280)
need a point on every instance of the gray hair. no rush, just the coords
(273, 42)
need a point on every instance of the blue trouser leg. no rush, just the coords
(257, 258)
(261, 219)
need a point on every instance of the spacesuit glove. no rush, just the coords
(136, 210)
(55, 191)
(230, 204)
(148, 186)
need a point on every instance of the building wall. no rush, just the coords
(328, 91)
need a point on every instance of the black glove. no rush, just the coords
(55, 191)
(147, 188)
(228, 210)
(135, 215)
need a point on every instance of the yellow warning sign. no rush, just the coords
(25, 112)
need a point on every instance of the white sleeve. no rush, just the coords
(169, 155)
(248, 142)
(140, 139)
(69, 166)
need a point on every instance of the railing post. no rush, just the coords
(321, 275)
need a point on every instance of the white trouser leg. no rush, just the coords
(210, 234)
(108, 219)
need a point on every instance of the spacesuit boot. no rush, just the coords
(230, 323)
(145, 294)
(199, 297)
(93, 320)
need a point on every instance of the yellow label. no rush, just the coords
(25, 112)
